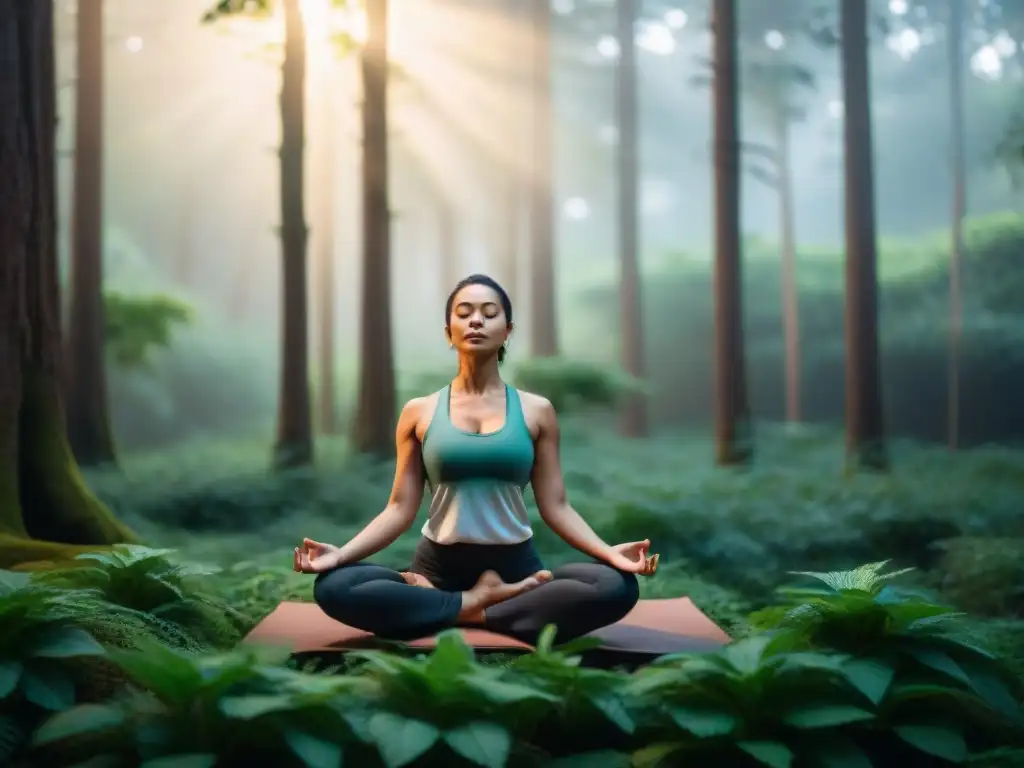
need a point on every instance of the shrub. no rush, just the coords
(136, 326)
(571, 384)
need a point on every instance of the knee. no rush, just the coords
(614, 587)
(332, 590)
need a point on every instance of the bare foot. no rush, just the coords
(416, 580)
(491, 590)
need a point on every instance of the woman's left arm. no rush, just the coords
(549, 491)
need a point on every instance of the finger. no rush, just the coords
(654, 563)
(312, 543)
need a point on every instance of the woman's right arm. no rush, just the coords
(406, 493)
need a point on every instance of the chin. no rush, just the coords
(480, 350)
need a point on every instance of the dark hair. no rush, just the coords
(488, 282)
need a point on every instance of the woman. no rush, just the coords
(479, 443)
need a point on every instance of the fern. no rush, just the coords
(865, 578)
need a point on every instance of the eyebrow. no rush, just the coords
(484, 304)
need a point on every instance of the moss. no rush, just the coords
(18, 552)
(62, 508)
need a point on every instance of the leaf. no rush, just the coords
(501, 692)
(10, 674)
(401, 740)
(944, 743)
(611, 706)
(869, 676)
(451, 658)
(67, 642)
(49, 687)
(745, 655)
(826, 716)
(703, 723)
(940, 662)
(314, 752)
(770, 753)
(483, 743)
(546, 639)
(11, 581)
(251, 707)
(840, 753)
(653, 755)
(85, 718)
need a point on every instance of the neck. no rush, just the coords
(477, 376)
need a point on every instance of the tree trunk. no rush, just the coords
(328, 413)
(732, 413)
(956, 106)
(42, 493)
(510, 176)
(86, 385)
(375, 419)
(790, 290)
(294, 445)
(543, 296)
(865, 439)
(633, 416)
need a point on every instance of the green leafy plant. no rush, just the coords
(574, 384)
(242, 707)
(168, 598)
(448, 706)
(137, 326)
(933, 687)
(39, 640)
(749, 704)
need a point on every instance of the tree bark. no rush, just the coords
(543, 296)
(327, 411)
(87, 415)
(956, 107)
(732, 412)
(294, 446)
(375, 419)
(790, 289)
(42, 493)
(633, 420)
(865, 438)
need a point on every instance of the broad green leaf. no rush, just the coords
(944, 743)
(992, 690)
(451, 657)
(703, 723)
(400, 740)
(11, 581)
(612, 707)
(170, 676)
(10, 674)
(872, 677)
(483, 743)
(770, 753)
(825, 716)
(939, 661)
(601, 759)
(251, 707)
(191, 760)
(745, 655)
(501, 692)
(579, 645)
(67, 642)
(49, 687)
(314, 752)
(85, 718)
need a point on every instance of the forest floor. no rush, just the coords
(727, 538)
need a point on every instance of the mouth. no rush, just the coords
(474, 337)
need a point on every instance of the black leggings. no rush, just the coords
(580, 598)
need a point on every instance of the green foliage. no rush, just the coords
(571, 384)
(983, 573)
(167, 597)
(913, 329)
(39, 638)
(137, 326)
(909, 657)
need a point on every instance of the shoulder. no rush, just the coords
(417, 412)
(538, 410)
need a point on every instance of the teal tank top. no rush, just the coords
(477, 480)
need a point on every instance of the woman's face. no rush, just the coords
(477, 324)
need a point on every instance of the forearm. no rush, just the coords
(574, 530)
(381, 532)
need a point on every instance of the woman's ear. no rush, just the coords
(509, 330)
(448, 334)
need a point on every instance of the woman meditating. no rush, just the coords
(479, 442)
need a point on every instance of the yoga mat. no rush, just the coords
(653, 628)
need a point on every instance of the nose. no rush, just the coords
(476, 320)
